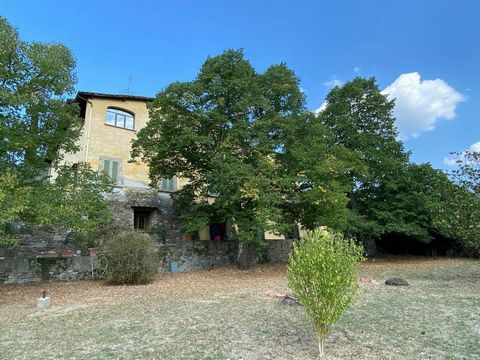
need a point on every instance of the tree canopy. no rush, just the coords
(458, 216)
(253, 155)
(37, 126)
(245, 139)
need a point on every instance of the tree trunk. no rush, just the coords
(321, 342)
(247, 256)
(370, 247)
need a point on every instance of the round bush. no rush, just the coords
(131, 259)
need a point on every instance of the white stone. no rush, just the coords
(43, 303)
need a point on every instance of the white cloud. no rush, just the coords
(419, 104)
(450, 161)
(321, 108)
(475, 147)
(332, 83)
(356, 69)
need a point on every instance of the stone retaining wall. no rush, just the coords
(41, 254)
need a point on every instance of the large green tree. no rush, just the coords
(246, 138)
(392, 197)
(361, 119)
(37, 122)
(37, 126)
(458, 216)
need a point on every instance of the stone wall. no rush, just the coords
(278, 250)
(40, 255)
(37, 250)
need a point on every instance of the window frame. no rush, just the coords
(117, 112)
(112, 160)
(172, 188)
(143, 216)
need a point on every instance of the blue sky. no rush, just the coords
(425, 53)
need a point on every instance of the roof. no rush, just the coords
(87, 95)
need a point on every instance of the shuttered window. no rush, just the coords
(111, 168)
(169, 184)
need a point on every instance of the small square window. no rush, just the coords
(142, 218)
(169, 184)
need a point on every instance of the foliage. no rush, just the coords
(391, 196)
(247, 138)
(73, 199)
(459, 214)
(406, 203)
(48, 264)
(322, 273)
(158, 232)
(37, 127)
(37, 123)
(131, 259)
(467, 174)
(362, 120)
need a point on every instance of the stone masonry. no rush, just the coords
(51, 254)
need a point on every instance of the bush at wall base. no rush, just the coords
(132, 259)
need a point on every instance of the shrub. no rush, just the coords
(131, 259)
(322, 273)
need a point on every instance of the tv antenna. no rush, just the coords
(129, 90)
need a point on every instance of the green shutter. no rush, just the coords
(111, 168)
(106, 167)
(114, 173)
(168, 184)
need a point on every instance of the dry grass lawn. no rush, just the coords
(226, 314)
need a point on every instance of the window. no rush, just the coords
(168, 184)
(120, 118)
(218, 231)
(142, 218)
(112, 168)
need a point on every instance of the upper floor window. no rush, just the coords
(120, 118)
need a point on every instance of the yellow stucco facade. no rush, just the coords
(102, 141)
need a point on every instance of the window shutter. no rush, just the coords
(168, 184)
(106, 167)
(111, 168)
(114, 174)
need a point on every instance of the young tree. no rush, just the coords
(322, 273)
(37, 126)
(230, 132)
